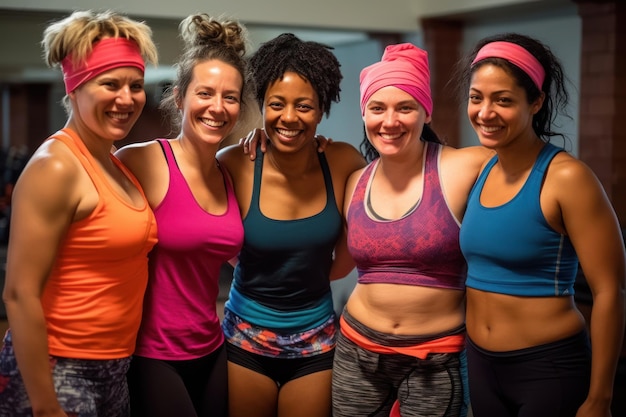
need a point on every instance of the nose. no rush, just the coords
(390, 118)
(289, 114)
(217, 104)
(125, 96)
(486, 110)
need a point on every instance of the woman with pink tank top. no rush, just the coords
(179, 368)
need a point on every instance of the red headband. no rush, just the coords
(107, 54)
(516, 55)
(404, 66)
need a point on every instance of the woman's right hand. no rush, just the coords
(250, 142)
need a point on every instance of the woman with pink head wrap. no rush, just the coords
(401, 345)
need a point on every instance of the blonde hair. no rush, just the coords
(77, 33)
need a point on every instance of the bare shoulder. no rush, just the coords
(234, 159)
(570, 178)
(472, 155)
(464, 163)
(140, 152)
(53, 159)
(344, 156)
(566, 170)
(354, 177)
(50, 178)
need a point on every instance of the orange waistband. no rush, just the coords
(447, 344)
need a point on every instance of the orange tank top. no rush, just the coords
(93, 297)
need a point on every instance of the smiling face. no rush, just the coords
(211, 105)
(291, 112)
(109, 104)
(498, 108)
(393, 121)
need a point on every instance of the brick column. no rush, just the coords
(602, 136)
(29, 115)
(442, 40)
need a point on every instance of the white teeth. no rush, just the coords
(388, 136)
(490, 129)
(288, 133)
(119, 115)
(213, 123)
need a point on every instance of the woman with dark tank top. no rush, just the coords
(279, 320)
(534, 213)
(400, 348)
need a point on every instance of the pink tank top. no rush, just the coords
(180, 321)
(421, 248)
(92, 299)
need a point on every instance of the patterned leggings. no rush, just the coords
(367, 383)
(85, 388)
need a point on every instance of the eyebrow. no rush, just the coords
(382, 103)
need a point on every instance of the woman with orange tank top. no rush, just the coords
(81, 231)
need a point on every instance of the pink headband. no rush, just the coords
(107, 54)
(516, 55)
(404, 66)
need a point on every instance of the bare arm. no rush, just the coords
(592, 225)
(45, 202)
(343, 262)
(147, 162)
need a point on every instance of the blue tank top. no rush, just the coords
(285, 264)
(511, 249)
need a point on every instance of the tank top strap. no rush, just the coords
(328, 181)
(256, 181)
(544, 158)
(361, 188)
(537, 174)
(432, 152)
(167, 150)
(431, 171)
(78, 148)
(172, 165)
(230, 189)
(258, 172)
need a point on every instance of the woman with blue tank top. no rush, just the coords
(179, 368)
(533, 215)
(279, 319)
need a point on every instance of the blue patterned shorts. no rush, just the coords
(85, 388)
(285, 345)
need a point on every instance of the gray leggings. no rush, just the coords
(84, 388)
(366, 383)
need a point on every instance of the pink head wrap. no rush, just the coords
(106, 54)
(404, 66)
(516, 55)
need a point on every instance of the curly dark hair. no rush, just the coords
(311, 60)
(556, 96)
